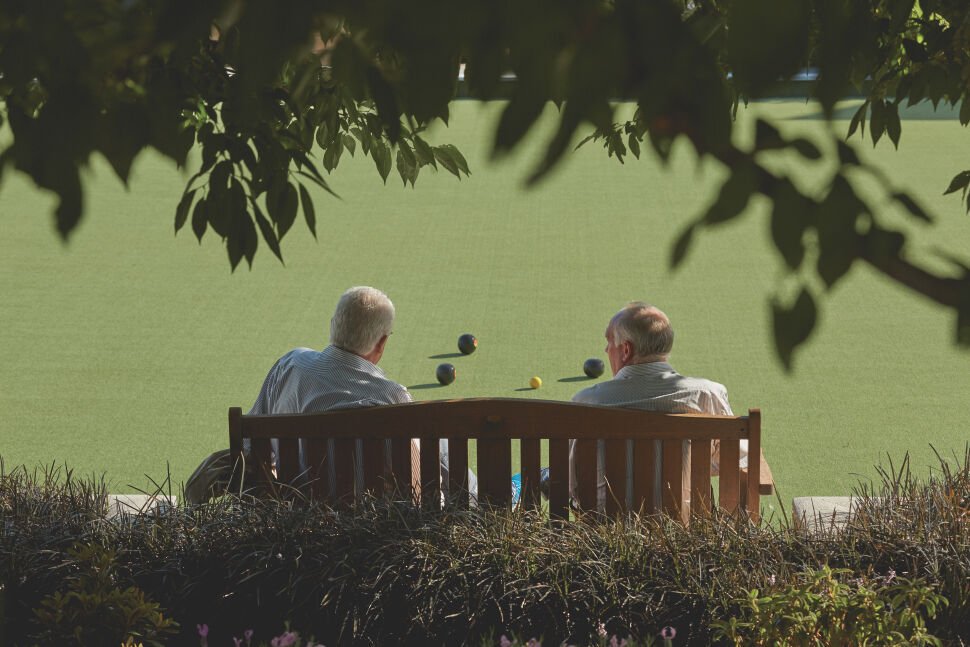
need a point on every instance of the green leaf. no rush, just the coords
(793, 325)
(458, 158)
(267, 231)
(877, 123)
(960, 181)
(847, 156)
(323, 135)
(911, 206)
(806, 149)
(282, 203)
(634, 145)
(790, 217)
(331, 156)
(444, 157)
(681, 247)
(893, 127)
(200, 218)
(407, 165)
(835, 220)
(382, 159)
(915, 51)
(423, 152)
(182, 211)
(734, 195)
(858, 120)
(219, 208)
(309, 213)
(350, 144)
(767, 137)
(519, 115)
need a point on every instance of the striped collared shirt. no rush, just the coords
(306, 380)
(655, 386)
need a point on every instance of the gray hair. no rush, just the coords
(362, 317)
(646, 327)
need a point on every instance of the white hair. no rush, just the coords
(363, 315)
(646, 327)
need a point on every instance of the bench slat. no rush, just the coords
(585, 458)
(430, 472)
(458, 472)
(316, 458)
(374, 465)
(530, 457)
(615, 476)
(752, 498)
(495, 471)
(262, 452)
(515, 418)
(644, 471)
(288, 466)
(729, 495)
(401, 468)
(672, 479)
(343, 471)
(700, 477)
(559, 479)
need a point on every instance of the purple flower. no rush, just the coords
(248, 635)
(533, 643)
(504, 641)
(668, 633)
(203, 630)
(237, 642)
(285, 640)
(617, 643)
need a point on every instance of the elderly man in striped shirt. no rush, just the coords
(639, 339)
(345, 373)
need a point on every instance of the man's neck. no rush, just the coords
(649, 359)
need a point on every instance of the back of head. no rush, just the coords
(646, 327)
(363, 315)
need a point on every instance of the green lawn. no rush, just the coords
(122, 351)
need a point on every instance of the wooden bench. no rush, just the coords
(494, 423)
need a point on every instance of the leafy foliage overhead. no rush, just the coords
(274, 94)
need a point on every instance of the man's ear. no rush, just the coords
(379, 346)
(627, 351)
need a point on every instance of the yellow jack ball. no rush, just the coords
(535, 382)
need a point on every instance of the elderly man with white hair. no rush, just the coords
(345, 373)
(639, 339)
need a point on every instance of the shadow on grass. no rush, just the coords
(445, 356)
(427, 385)
(578, 378)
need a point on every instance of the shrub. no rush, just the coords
(388, 573)
(93, 609)
(819, 609)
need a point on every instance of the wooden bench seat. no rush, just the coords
(390, 463)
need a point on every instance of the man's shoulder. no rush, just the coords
(591, 394)
(298, 354)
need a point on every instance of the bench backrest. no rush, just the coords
(494, 423)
